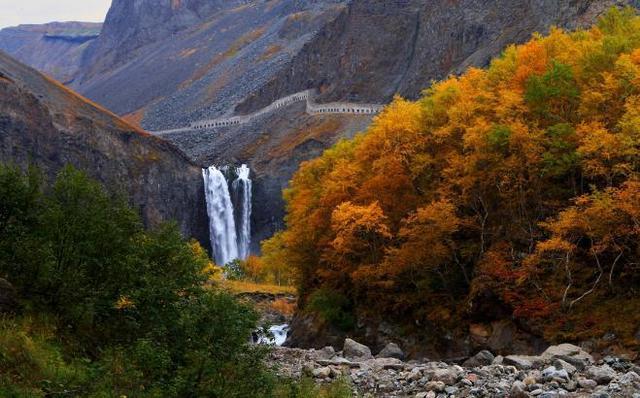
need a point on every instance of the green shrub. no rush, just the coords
(128, 311)
(307, 388)
(32, 362)
(333, 307)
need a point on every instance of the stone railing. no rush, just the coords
(343, 107)
(312, 109)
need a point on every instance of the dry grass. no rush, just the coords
(257, 145)
(250, 287)
(135, 118)
(202, 71)
(283, 306)
(243, 41)
(270, 52)
(213, 88)
(322, 131)
(79, 100)
(299, 16)
(596, 317)
(186, 53)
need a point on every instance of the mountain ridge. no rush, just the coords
(46, 124)
(55, 48)
(218, 60)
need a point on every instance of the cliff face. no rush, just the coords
(43, 123)
(131, 24)
(378, 48)
(165, 63)
(55, 48)
(197, 64)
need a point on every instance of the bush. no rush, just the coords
(333, 307)
(126, 309)
(306, 388)
(32, 363)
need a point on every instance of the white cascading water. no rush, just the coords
(241, 187)
(278, 335)
(222, 228)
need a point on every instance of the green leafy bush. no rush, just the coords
(333, 307)
(125, 310)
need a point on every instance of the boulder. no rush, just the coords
(560, 364)
(386, 363)
(587, 384)
(601, 374)
(561, 350)
(630, 379)
(483, 358)
(451, 390)
(391, 350)
(355, 351)
(569, 353)
(337, 361)
(448, 376)
(414, 375)
(552, 373)
(322, 373)
(479, 333)
(327, 352)
(8, 297)
(523, 362)
(518, 390)
(435, 386)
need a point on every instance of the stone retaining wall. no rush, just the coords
(312, 109)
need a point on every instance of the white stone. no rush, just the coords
(356, 351)
(522, 362)
(601, 374)
(518, 390)
(587, 384)
(435, 386)
(447, 376)
(560, 364)
(322, 373)
(391, 350)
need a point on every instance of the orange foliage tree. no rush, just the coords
(519, 179)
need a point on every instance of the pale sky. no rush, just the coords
(16, 12)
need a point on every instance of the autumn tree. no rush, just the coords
(519, 180)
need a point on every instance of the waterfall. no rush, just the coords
(222, 228)
(229, 213)
(241, 187)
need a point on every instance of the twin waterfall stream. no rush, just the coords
(229, 210)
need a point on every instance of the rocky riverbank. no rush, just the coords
(561, 371)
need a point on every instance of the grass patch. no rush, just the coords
(307, 388)
(32, 362)
(250, 287)
(270, 52)
(243, 41)
(322, 131)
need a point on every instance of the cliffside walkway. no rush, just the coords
(307, 96)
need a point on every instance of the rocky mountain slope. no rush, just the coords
(163, 64)
(376, 48)
(169, 63)
(55, 48)
(44, 123)
(360, 51)
(226, 53)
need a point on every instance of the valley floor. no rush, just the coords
(561, 371)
